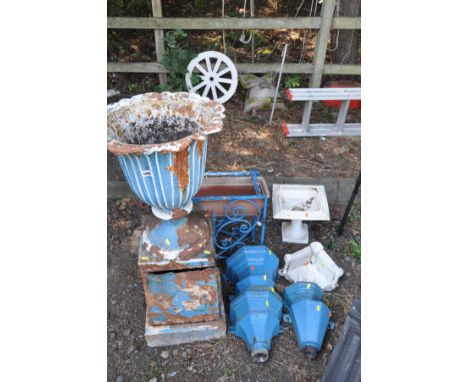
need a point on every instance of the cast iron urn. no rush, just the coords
(160, 140)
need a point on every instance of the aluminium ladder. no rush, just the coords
(340, 128)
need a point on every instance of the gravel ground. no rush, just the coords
(227, 359)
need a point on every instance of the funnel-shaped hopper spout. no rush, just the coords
(310, 351)
(255, 318)
(309, 315)
(259, 355)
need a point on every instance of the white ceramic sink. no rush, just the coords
(297, 202)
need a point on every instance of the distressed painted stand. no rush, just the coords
(241, 220)
(176, 255)
(181, 307)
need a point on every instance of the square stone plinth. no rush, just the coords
(184, 307)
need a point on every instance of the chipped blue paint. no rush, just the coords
(173, 298)
(179, 329)
(166, 333)
(151, 179)
(176, 244)
(164, 235)
(159, 315)
(309, 315)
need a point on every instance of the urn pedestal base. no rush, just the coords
(182, 285)
(184, 243)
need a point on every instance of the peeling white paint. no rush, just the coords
(150, 106)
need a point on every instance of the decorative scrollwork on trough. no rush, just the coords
(235, 229)
(237, 220)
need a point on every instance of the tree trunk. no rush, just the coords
(348, 43)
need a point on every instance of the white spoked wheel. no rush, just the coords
(217, 75)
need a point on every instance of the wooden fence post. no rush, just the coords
(159, 38)
(320, 51)
(252, 14)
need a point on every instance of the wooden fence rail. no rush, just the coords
(325, 23)
(155, 67)
(207, 23)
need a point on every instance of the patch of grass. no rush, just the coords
(260, 38)
(152, 372)
(132, 87)
(292, 81)
(332, 243)
(353, 249)
(352, 215)
(232, 37)
(328, 299)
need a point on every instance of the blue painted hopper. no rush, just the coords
(255, 318)
(254, 282)
(254, 260)
(309, 315)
